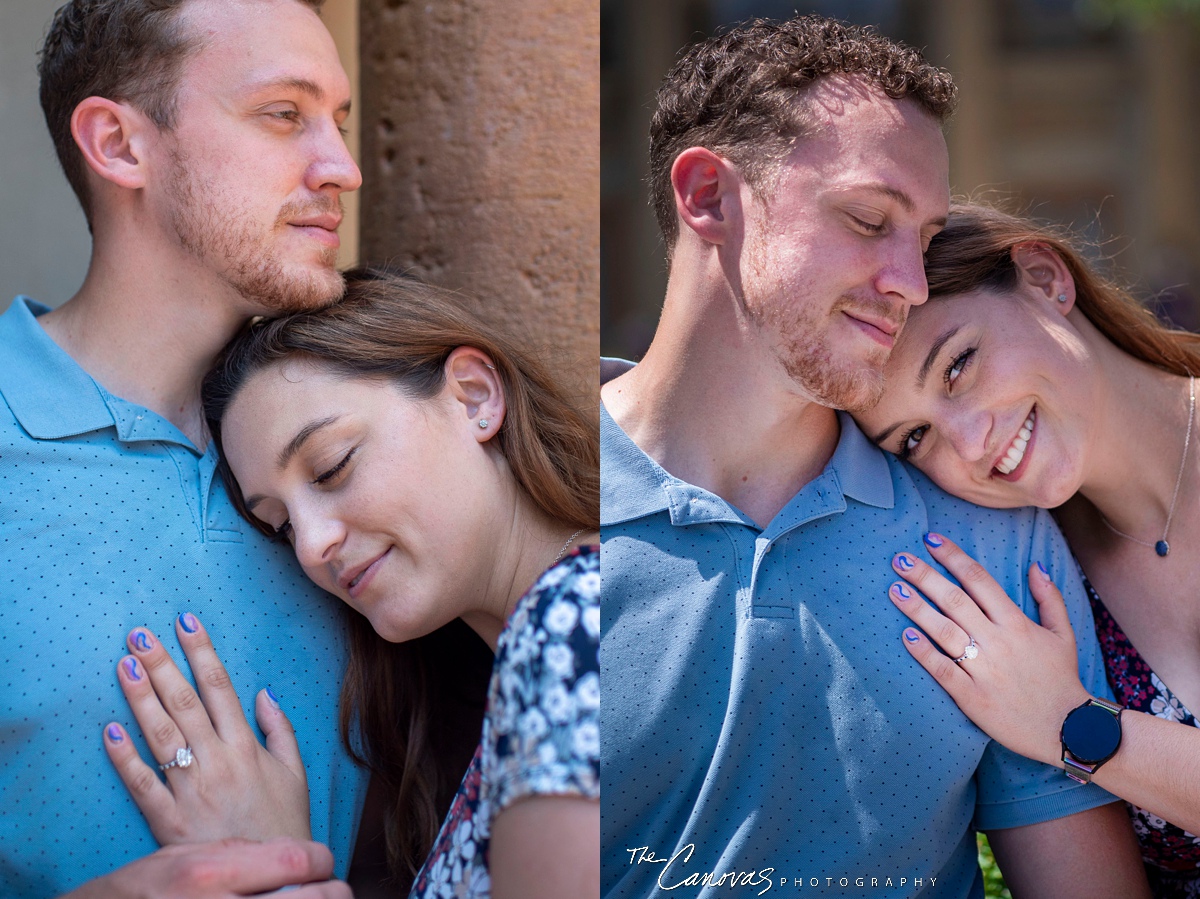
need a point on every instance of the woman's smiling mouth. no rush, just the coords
(1016, 450)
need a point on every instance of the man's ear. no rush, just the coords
(473, 382)
(111, 136)
(706, 195)
(1043, 271)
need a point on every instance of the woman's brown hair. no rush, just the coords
(974, 252)
(403, 705)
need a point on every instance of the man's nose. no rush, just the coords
(333, 166)
(903, 272)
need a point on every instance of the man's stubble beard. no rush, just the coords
(209, 227)
(800, 345)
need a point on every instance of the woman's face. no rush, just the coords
(990, 395)
(387, 500)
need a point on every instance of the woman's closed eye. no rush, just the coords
(327, 477)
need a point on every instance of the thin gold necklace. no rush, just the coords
(1162, 547)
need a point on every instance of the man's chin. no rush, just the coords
(284, 293)
(856, 391)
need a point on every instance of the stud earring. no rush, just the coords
(483, 422)
(1062, 297)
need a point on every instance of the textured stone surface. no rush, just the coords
(481, 160)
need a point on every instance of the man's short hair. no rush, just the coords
(124, 50)
(739, 94)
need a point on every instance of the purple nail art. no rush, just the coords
(1043, 570)
(272, 698)
(933, 539)
(188, 622)
(911, 635)
(902, 591)
(904, 563)
(141, 640)
(114, 734)
(131, 668)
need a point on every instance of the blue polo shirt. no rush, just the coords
(109, 519)
(762, 722)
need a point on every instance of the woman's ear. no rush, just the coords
(110, 136)
(473, 382)
(1043, 271)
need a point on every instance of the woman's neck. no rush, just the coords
(1138, 462)
(532, 542)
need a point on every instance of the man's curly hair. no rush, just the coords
(740, 94)
(124, 50)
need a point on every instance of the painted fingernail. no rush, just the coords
(1042, 569)
(904, 563)
(131, 668)
(141, 641)
(934, 540)
(911, 635)
(901, 591)
(272, 697)
(188, 622)
(114, 734)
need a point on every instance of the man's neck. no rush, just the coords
(148, 333)
(716, 411)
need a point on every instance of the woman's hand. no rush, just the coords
(1024, 679)
(233, 787)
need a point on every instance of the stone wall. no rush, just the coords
(481, 161)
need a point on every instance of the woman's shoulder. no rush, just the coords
(564, 599)
(542, 731)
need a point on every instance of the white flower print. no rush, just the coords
(561, 617)
(560, 660)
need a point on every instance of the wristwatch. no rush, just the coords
(1090, 737)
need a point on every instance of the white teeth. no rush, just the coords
(1016, 451)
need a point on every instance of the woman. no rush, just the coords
(423, 471)
(1028, 379)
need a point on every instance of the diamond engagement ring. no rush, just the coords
(183, 758)
(970, 652)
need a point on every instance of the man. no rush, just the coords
(202, 139)
(762, 726)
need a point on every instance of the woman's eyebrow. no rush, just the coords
(934, 349)
(294, 445)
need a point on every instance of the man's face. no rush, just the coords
(253, 170)
(833, 256)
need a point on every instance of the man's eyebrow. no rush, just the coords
(303, 85)
(903, 200)
(934, 349)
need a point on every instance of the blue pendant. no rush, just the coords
(1162, 547)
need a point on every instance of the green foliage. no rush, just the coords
(993, 880)
(1145, 10)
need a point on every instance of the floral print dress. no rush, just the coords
(541, 730)
(1171, 854)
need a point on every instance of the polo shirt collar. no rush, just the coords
(632, 485)
(52, 397)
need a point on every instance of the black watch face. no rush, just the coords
(1091, 734)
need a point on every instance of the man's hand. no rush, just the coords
(222, 870)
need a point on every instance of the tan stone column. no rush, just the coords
(481, 160)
